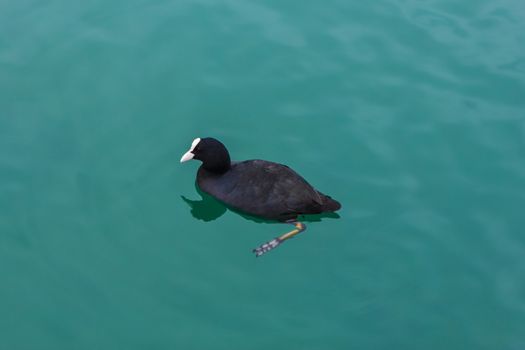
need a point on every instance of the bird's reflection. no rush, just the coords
(206, 209)
(209, 209)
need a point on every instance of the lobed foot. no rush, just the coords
(266, 247)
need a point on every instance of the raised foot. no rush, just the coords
(266, 247)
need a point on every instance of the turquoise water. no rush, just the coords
(411, 113)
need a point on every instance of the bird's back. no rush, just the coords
(265, 189)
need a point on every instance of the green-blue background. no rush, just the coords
(411, 113)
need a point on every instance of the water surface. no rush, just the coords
(410, 113)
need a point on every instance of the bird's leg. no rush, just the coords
(263, 248)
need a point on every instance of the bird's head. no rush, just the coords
(211, 152)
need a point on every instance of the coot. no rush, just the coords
(257, 187)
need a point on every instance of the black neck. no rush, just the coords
(219, 163)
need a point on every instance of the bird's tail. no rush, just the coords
(329, 204)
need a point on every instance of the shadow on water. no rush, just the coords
(209, 209)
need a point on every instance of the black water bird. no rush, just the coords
(257, 187)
